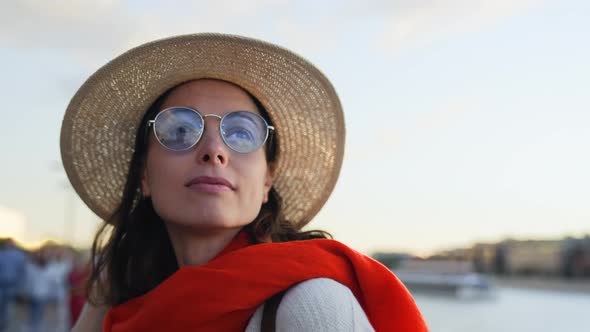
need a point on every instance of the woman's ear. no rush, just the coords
(267, 185)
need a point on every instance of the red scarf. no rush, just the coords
(223, 294)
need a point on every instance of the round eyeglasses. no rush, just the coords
(181, 128)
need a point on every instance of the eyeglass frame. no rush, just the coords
(152, 123)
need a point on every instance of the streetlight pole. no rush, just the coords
(69, 215)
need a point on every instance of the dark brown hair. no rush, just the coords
(132, 252)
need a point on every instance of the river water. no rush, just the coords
(509, 310)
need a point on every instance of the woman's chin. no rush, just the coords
(206, 225)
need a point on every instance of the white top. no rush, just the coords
(316, 305)
(38, 281)
(57, 272)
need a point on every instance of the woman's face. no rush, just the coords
(183, 185)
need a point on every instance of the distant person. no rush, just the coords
(38, 289)
(203, 225)
(77, 279)
(12, 271)
(59, 264)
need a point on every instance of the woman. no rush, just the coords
(206, 154)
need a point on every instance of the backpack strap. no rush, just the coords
(269, 315)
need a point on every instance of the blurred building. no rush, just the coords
(531, 257)
(391, 260)
(568, 257)
(484, 256)
(577, 257)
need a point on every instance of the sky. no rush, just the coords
(467, 120)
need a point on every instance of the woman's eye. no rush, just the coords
(239, 134)
(180, 132)
(178, 135)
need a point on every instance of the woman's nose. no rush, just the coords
(211, 148)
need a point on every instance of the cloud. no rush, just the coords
(86, 29)
(98, 28)
(409, 23)
(93, 32)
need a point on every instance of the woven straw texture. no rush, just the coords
(100, 123)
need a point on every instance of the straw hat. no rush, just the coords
(100, 123)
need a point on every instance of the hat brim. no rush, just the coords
(101, 121)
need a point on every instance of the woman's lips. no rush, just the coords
(210, 184)
(209, 188)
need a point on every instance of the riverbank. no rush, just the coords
(550, 284)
